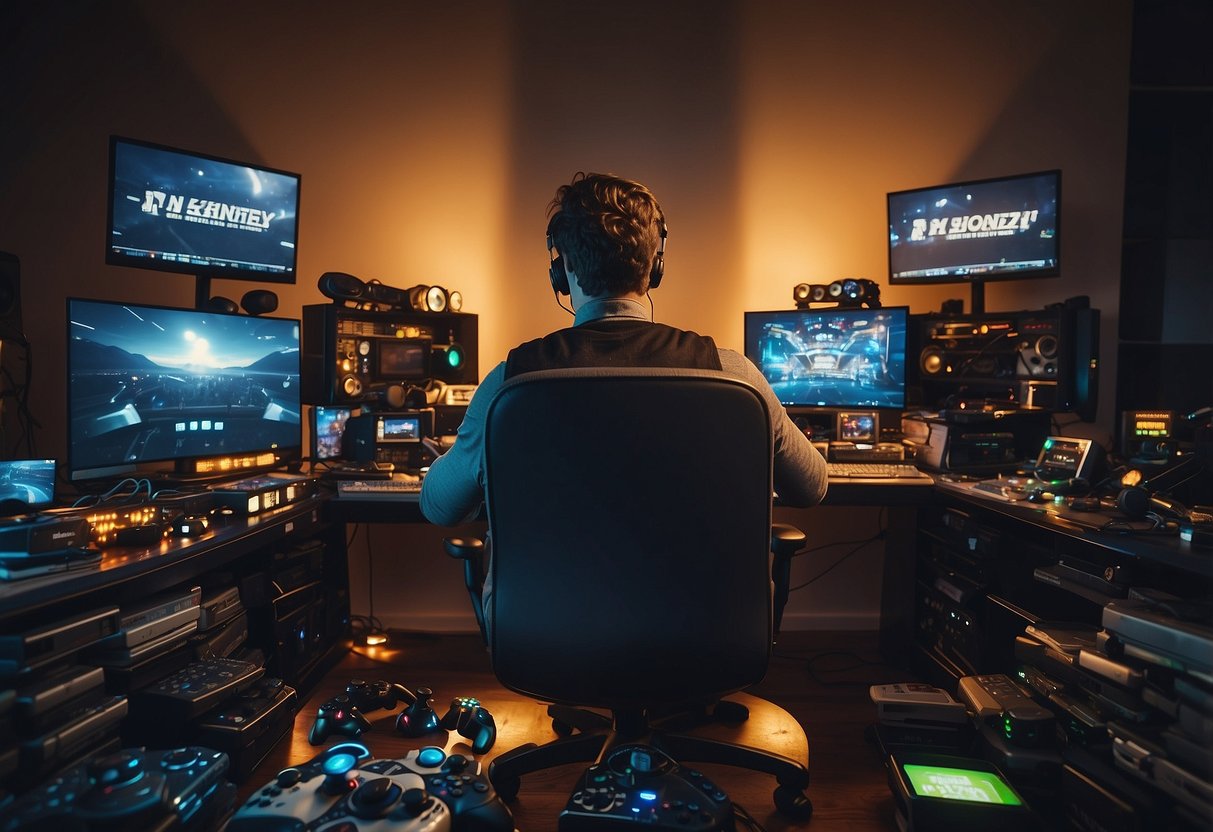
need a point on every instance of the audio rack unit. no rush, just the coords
(358, 356)
(1046, 358)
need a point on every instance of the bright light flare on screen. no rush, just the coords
(255, 180)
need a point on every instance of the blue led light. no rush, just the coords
(339, 763)
(648, 795)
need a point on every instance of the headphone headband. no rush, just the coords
(560, 279)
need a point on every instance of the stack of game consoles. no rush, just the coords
(1133, 709)
(54, 707)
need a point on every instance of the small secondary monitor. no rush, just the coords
(831, 358)
(149, 384)
(26, 484)
(973, 232)
(178, 211)
(328, 427)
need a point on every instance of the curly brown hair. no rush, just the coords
(607, 229)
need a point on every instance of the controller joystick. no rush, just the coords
(373, 696)
(471, 721)
(418, 719)
(338, 716)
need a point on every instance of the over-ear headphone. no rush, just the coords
(560, 278)
(1135, 501)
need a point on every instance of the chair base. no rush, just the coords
(587, 737)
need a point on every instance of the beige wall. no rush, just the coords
(431, 136)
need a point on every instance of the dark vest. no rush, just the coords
(614, 342)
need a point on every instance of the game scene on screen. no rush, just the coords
(188, 211)
(979, 230)
(28, 481)
(329, 429)
(150, 384)
(831, 358)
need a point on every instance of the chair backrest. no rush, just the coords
(630, 519)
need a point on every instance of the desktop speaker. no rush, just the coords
(10, 297)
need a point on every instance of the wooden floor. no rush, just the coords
(820, 680)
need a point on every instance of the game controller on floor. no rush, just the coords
(343, 788)
(343, 715)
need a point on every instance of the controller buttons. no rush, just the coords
(457, 762)
(415, 801)
(288, 777)
(374, 798)
(431, 756)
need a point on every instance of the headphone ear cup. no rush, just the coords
(558, 276)
(657, 272)
(1133, 501)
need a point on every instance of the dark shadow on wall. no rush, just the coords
(75, 73)
(648, 91)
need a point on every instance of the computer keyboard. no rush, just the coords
(391, 489)
(874, 471)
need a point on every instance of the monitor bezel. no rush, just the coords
(835, 408)
(113, 258)
(983, 277)
(282, 452)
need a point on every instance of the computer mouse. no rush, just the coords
(1038, 495)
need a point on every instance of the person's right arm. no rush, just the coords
(453, 490)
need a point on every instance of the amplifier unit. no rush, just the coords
(358, 355)
(1045, 358)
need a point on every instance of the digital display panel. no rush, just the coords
(993, 229)
(148, 384)
(28, 481)
(328, 427)
(848, 358)
(1062, 458)
(403, 359)
(971, 785)
(389, 429)
(178, 211)
(857, 427)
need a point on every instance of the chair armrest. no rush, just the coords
(786, 541)
(470, 550)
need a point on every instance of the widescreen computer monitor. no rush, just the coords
(972, 232)
(150, 384)
(178, 211)
(831, 358)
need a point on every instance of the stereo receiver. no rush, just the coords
(1045, 358)
(365, 356)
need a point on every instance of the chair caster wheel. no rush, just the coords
(793, 804)
(562, 728)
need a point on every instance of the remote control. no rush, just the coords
(996, 700)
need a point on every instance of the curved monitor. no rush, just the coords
(831, 358)
(177, 211)
(993, 229)
(150, 384)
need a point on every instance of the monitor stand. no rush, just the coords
(202, 292)
(977, 297)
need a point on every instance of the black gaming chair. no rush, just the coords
(630, 518)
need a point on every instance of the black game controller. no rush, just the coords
(338, 716)
(472, 721)
(457, 781)
(418, 719)
(372, 696)
(340, 790)
(131, 789)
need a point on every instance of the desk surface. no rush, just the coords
(1090, 528)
